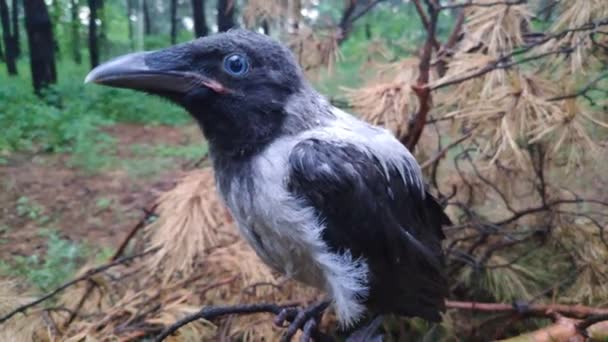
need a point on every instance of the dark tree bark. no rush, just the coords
(16, 32)
(173, 11)
(9, 45)
(147, 23)
(75, 26)
(55, 21)
(41, 42)
(102, 30)
(200, 21)
(93, 41)
(1, 52)
(225, 14)
(129, 15)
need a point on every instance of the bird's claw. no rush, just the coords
(301, 318)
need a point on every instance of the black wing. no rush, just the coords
(394, 225)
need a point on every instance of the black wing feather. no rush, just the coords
(394, 225)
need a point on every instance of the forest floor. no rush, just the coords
(91, 206)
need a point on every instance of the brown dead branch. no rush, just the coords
(285, 312)
(418, 121)
(583, 91)
(350, 16)
(506, 61)
(564, 330)
(483, 4)
(87, 275)
(443, 151)
(148, 213)
(574, 311)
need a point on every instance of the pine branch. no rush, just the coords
(87, 275)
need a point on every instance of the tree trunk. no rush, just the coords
(1, 52)
(75, 25)
(40, 39)
(225, 14)
(129, 15)
(56, 21)
(200, 21)
(9, 45)
(295, 17)
(173, 21)
(16, 34)
(147, 23)
(102, 32)
(93, 41)
(140, 34)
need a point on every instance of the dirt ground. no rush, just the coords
(43, 191)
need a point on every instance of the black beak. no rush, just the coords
(162, 72)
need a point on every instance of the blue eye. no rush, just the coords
(236, 64)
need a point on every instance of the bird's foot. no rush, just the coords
(301, 318)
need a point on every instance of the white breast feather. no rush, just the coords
(291, 231)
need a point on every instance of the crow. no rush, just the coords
(322, 197)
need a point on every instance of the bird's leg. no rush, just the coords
(367, 333)
(301, 318)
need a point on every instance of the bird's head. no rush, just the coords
(236, 84)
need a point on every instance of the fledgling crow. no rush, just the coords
(322, 196)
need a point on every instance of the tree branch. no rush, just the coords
(298, 319)
(483, 4)
(85, 276)
(583, 91)
(575, 311)
(505, 63)
(418, 121)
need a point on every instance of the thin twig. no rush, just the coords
(576, 311)
(582, 91)
(85, 276)
(212, 312)
(443, 151)
(503, 62)
(483, 4)
(148, 213)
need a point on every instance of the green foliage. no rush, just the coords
(68, 118)
(188, 152)
(31, 210)
(60, 262)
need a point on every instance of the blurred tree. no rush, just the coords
(200, 22)
(225, 14)
(16, 36)
(56, 10)
(173, 12)
(147, 23)
(8, 39)
(1, 52)
(93, 41)
(40, 39)
(75, 30)
(102, 37)
(130, 6)
(296, 15)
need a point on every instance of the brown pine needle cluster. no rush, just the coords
(195, 258)
(257, 11)
(388, 99)
(191, 222)
(315, 50)
(510, 108)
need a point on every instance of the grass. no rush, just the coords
(69, 115)
(60, 261)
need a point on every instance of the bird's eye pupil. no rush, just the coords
(236, 64)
